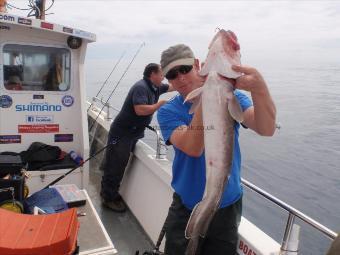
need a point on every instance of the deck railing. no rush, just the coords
(160, 147)
(292, 212)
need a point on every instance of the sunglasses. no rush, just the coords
(173, 73)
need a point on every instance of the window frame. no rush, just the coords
(52, 46)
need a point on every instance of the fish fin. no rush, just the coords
(195, 105)
(195, 97)
(235, 109)
(193, 94)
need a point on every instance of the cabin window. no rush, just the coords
(36, 68)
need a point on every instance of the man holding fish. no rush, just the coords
(202, 124)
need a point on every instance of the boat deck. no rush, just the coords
(124, 230)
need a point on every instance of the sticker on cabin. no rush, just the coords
(7, 17)
(58, 138)
(46, 25)
(5, 101)
(82, 33)
(5, 139)
(38, 107)
(67, 101)
(3, 27)
(39, 118)
(24, 21)
(47, 128)
(68, 30)
(38, 96)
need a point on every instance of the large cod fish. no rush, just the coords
(219, 108)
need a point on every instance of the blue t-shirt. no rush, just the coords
(188, 173)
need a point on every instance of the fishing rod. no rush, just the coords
(100, 90)
(80, 165)
(83, 162)
(127, 68)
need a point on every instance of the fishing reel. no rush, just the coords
(11, 204)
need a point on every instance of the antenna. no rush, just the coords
(40, 5)
(42, 9)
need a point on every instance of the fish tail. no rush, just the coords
(192, 225)
(205, 225)
(200, 218)
(192, 248)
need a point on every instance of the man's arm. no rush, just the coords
(190, 139)
(165, 88)
(147, 109)
(260, 117)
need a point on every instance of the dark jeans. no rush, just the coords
(114, 163)
(221, 237)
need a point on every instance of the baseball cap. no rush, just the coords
(176, 55)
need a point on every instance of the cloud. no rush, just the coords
(265, 29)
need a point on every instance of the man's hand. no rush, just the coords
(145, 109)
(161, 102)
(261, 116)
(251, 81)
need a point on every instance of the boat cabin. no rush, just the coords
(42, 88)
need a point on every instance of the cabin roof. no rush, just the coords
(6, 18)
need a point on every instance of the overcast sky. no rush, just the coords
(282, 31)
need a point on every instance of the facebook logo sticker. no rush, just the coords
(30, 118)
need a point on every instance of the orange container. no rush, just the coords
(51, 234)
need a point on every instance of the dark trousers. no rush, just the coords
(114, 163)
(221, 237)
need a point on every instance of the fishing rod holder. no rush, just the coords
(105, 104)
(161, 146)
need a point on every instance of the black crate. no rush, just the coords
(10, 164)
(17, 182)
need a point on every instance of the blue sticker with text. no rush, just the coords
(39, 118)
(63, 138)
(67, 101)
(4, 139)
(6, 101)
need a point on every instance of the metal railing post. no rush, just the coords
(159, 154)
(288, 231)
(108, 117)
(293, 212)
(160, 144)
(290, 242)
